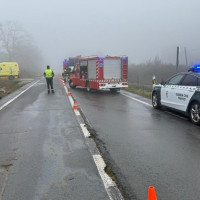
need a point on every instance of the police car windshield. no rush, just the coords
(175, 80)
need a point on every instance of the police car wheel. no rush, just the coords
(155, 101)
(195, 113)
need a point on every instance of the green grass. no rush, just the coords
(142, 90)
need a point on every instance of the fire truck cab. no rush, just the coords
(97, 73)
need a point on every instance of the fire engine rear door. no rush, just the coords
(112, 68)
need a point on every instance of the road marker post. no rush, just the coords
(75, 106)
(154, 79)
(68, 93)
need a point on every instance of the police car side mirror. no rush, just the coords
(162, 83)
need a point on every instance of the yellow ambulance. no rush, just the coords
(9, 70)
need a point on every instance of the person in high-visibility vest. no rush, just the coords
(48, 74)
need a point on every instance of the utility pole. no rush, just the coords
(186, 61)
(177, 59)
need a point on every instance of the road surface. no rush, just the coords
(145, 146)
(43, 155)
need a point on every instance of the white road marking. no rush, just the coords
(100, 164)
(77, 112)
(147, 104)
(7, 103)
(108, 182)
(85, 131)
(41, 84)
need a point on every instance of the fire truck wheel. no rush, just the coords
(88, 87)
(71, 84)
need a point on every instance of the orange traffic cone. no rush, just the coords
(68, 93)
(152, 193)
(75, 106)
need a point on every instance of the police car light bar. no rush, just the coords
(195, 68)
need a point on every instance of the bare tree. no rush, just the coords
(11, 35)
(16, 45)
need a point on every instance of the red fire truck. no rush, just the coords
(96, 73)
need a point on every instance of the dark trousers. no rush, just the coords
(49, 84)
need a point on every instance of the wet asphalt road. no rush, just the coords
(43, 154)
(145, 146)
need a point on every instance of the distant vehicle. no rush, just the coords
(9, 70)
(181, 93)
(97, 73)
(68, 66)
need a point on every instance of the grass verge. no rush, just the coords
(142, 90)
(9, 86)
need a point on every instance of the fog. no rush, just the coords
(140, 29)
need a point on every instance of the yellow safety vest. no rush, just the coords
(48, 73)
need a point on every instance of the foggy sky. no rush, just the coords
(140, 29)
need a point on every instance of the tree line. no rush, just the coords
(16, 45)
(141, 74)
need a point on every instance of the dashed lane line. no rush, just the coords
(85, 131)
(108, 182)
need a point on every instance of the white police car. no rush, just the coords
(181, 93)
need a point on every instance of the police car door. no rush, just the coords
(186, 90)
(168, 91)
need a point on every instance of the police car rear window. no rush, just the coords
(190, 80)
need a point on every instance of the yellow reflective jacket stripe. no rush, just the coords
(48, 73)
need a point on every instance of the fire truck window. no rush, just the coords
(83, 71)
